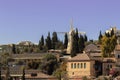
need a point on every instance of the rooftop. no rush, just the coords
(80, 57)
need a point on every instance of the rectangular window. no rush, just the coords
(84, 65)
(110, 66)
(72, 65)
(72, 73)
(78, 65)
(81, 65)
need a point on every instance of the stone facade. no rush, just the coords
(80, 65)
(83, 68)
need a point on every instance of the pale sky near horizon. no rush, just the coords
(29, 19)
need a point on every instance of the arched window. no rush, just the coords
(78, 65)
(81, 65)
(72, 65)
(84, 65)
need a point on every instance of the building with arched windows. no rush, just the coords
(85, 64)
(80, 65)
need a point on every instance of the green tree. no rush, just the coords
(107, 34)
(100, 37)
(41, 43)
(108, 45)
(13, 49)
(7, 73)
(23, 74)
(65, 41)
(112, 32)
(76, 41)
(73, 51)
(81, 43)
(60, 73)
(17, 50)
(54, 40)
(26, 50)
(59, 45)
(30, 49)
(4, 62)
(33, 65)
(49, 63)
(48, 42)
(85, 38)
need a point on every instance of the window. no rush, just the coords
(110, 66)
(81, 65)
(72, 73)
(78, 65)
(118, 56)
(84, 65)
(72, 65)
(33, 74)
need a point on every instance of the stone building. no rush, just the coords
(80, 65)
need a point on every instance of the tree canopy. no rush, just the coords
(41, 43)
(81, 43)
(78, 43)
(13, 49)
(49, 63)
(60, 73)
(48, 42)
(100, 37)
(108, 45)
(54, 40)
(65, 41)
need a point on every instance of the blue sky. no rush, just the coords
(29, 19)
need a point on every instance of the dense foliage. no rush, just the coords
(41, 43)
(78, 43)
(65, 41)
(49, 64)
(61, 72)
(23, 74)
(48, 42)
(108, 45)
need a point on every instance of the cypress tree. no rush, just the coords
(112, 32)
(13, 49)
(41, 43)
(65, 41)
(54, 40)
(73, 51)
(107, 34)
(81, 43)
(76, 41)
(23, 74)
(48, 41)
(100, 37)
(85, 38)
